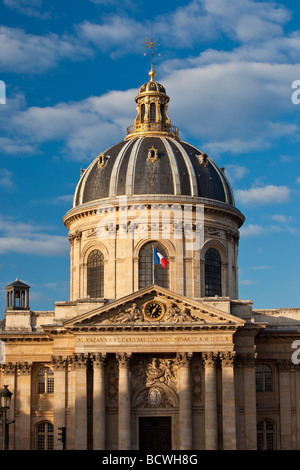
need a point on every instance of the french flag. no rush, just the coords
(159, 259)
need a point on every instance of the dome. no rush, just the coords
(152, 86)
(153, 160)
(153, 165)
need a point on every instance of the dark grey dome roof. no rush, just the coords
(153, 165)
(152, 86)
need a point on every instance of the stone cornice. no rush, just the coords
(150, 327)
(91, 208)
(14, 337)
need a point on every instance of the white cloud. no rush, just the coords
(251, 230)
(246, 21)
(235, 172)
(282, 218)
(221, 100)
(7, 179)
(29, 7)
(269, 194)
(84, 128)
(38, 244)
(26, 238)
(21, 52)
(118, 34)
(232, 107)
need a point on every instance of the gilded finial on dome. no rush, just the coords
(151, 74)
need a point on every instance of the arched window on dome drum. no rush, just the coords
(95, 274)
(152, 112)
(150, 273)
(213, 285)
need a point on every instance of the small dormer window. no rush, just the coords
(203, 159)
(101, 160)
(152, 154)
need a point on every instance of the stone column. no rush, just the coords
(70, 398)
(59, 405)
(228, 401)
(99, 402)
(124, 402)
(210, 411)
(24, 406)
(81, 402)
(185, 401)
(285, 405)
(248, 364)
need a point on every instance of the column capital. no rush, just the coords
(123, 359)
(184, 359)
(24, 368)
(80, 360)
(98, 359)
(9, 368)
(245, 359)
(59, 362)
(210, 359)
(284, 365)
(227, 358)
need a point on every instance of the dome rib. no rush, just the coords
(177, 171)
(131, 167)
(190, 168)
(116, 169)
(174, 166)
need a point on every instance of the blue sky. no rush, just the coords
(72, 70)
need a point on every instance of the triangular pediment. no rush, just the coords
(154, 305)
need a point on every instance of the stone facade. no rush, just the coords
(151, 364)
(99, 373)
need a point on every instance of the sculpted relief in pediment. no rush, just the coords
(153, 310)
(154, 306)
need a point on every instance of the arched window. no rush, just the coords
(95, 274)
(142, 113)
(265, 435)
(46, 381)
(163, 112)
(152, 112)
(150, 273)
(263, 378)
(45, 436)
(213, 285)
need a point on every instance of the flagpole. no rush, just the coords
(153, 265)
